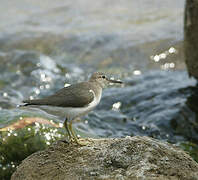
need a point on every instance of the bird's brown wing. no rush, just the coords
(77, 95)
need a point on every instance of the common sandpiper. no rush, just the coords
(74, 101)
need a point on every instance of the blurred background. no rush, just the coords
(46, 45)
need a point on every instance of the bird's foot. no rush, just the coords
(81, 142)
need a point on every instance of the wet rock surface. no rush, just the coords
(119, 158)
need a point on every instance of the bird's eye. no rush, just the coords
(103, 77)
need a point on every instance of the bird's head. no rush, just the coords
(102, 79)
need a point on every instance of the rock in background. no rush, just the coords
(191, 37)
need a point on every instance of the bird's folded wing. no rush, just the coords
(66, 97)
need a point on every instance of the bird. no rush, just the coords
(74, 101)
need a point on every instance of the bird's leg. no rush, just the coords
(67, 129)
(74, 135)
(72, 132)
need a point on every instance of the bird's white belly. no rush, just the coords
(70, 112)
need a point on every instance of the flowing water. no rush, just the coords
(45, 45)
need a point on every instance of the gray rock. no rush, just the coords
(119, 159)
(191, 37)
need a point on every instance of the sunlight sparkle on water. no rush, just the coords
(47, 86)
(5, 94)
(167, 66)
(67, 85)
(37, 91)
(116, 106)
(41, 87)
(67, 75)
(31, 97)
(45, 78)
(172, 50)
(42, 76)
(156, 58)
(38, 64)
(163, 55)
(137, 72)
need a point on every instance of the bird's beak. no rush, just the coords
(114, 81)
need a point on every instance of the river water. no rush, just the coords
(45, 45)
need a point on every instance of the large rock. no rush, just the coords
(120, 159)
(191, 37)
